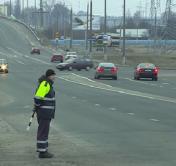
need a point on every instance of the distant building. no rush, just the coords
(134, 33)
(3, 10)
(95, 22)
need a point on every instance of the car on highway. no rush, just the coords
(35, 50)
(3, 66)
(76, 63)
(57, 58)
(71, 55)
(106, 70)
(146, 70)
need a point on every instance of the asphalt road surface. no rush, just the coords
(102, 122)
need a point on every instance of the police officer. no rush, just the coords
(44, 103)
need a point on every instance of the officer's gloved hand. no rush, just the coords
(36, 107)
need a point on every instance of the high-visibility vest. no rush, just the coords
(45, 100)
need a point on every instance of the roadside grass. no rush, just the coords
(134, 56)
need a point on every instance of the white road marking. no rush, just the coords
(74, 97)
(41, 61)
(20, 62)
(89, 79)
(130, 113)
(165, 83)
(113, 109)
(121, 90)
(19, 53)
(154, 120)
(97, 105)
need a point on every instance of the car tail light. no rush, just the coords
(113, 70)
(155, 70)
(140, 70)
(100, 69)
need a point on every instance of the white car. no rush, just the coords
(3, 66)
(71, 55)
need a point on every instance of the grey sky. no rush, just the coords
(114, 7)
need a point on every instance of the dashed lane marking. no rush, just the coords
(154, 120)
(130, 113)
(113, 109)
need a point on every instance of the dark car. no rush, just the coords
(35, 50)
(3, 66)
(57, 58)
(146, 70)
(78, 64)
(106, 70)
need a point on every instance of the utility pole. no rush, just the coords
(23, 9)
(71, 28)
(87, 27)
(90, 34)
(35, 4)
(155, 29)
(105, 24)
(41, 13)
(27, 12)
(124, 34)
(105, 18)
(10, 7)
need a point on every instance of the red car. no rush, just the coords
(146, 70)
(57, 58)
(35, 50)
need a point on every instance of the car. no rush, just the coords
(106, 70)
(35, 50)
(3, 66)
(57, 58)
(146, 70)
(77, 63)
(71, 55)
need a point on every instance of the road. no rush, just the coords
(98, 122)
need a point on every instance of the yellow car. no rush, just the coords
(3, 66)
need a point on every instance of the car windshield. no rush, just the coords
(106, 65)
(146, 65)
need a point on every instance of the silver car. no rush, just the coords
(106, 70)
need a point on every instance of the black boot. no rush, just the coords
(45, 155)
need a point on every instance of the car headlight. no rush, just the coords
(4, 67)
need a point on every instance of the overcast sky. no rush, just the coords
(114, 7)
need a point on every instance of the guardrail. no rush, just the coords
(22, 23)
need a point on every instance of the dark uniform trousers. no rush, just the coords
(42, 134)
